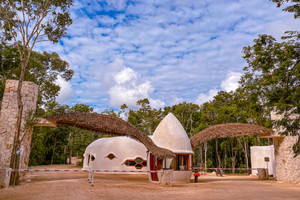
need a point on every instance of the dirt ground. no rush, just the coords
(74, 185)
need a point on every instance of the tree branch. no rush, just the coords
(41, 41)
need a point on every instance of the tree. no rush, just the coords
(273, 74)
(43, 69)
(186, 113)
(145, 118)
(32, 21)
(294, 6)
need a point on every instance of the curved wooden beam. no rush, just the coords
(109, 125)
(229, 130)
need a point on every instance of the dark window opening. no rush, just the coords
(88, 160)
(139, 166)
(139, 160)
(138, 163)
(145, 163)
(111, 156)
(182, 162)
(130, 163)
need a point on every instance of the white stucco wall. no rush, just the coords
(124, 148)
(171, 135)
(258, 154)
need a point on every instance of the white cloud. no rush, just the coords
(202, 98)
(66, 92)
(129, 94)
(231, 81)
(126, 86)
(229, 84)
(162, 49)
(156, 103)
(176, 100)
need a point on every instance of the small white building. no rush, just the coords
(171, 135)
(115, 153)
(263, 157)
(124, 153)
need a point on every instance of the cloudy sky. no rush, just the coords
(166, 51)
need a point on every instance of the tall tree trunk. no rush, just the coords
(70, 146)
(205, 155)
(246, 154)
(245, 149)
(217, 152)
(200, 156)
(53, 151)
(225, 156)
(65, 156)
(258, 141)
(70, 157)
(15, 158)
(233, 154)
(233, 164)
(191, 118)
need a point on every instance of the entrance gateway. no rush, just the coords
(98, 122)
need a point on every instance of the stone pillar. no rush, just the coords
(4, 177)
(8, 121)
(287, 165)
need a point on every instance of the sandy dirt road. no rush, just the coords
(68, 185)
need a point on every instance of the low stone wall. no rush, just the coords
(167, 178)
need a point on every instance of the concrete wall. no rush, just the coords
(258, 153)
(8, 120)
(287, 166)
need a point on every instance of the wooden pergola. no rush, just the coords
(108, 125)
(229, 130)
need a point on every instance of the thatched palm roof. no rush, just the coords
(229, 130)
(109, 125)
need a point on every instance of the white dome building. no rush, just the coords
(125, 153)
(171, 135)
(115, 153)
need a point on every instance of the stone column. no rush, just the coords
(8, 121)
(287, 164)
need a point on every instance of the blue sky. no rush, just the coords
(167, 51)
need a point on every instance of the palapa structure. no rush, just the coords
(229, 130)
(109, 125)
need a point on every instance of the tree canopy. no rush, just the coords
(273, 75)
(43, 69)
(293, 6)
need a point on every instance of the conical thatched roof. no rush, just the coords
(229, 130)
(109, 125)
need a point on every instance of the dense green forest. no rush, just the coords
(271, 80)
